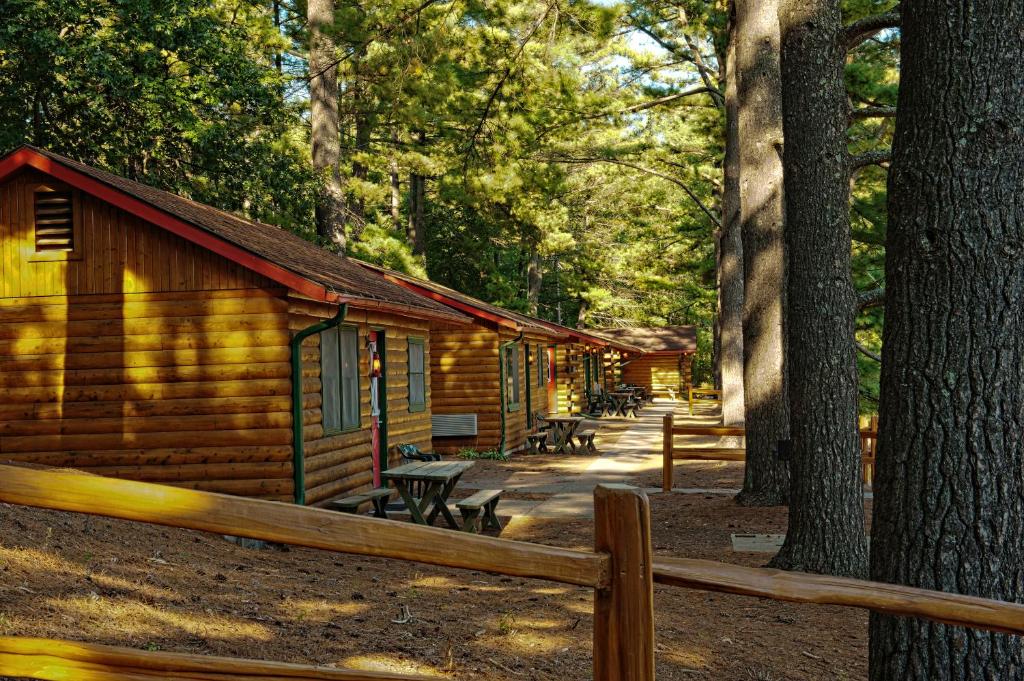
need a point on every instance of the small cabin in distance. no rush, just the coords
(663, 364)
(150, 337)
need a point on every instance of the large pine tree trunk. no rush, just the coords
(949, 490)
(730, 263)
(759, 108)
(826, 511)
(323, 115)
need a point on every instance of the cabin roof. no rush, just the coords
(276, 253)
(655, 339)
(474, 307)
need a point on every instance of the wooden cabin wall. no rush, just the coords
(342, 464)
(146, 359)
(611, 373)
(463, 380)
(569, 378)
(662, 375)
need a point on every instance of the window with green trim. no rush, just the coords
(417, 376)
(339, 378)
(512, 377)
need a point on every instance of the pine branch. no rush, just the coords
(873, 298)
(862, 29)
(870, 158)
(867, 353)
(872, 112)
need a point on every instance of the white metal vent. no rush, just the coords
(453, 425)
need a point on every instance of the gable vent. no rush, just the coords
(55, 221)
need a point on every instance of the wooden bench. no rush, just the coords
(585, 435)
(486, 500)
(379, 497)
(537, 443)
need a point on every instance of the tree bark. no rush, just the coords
(730, 263)
(323, 115)
(396, 184)
(949, 489)
(417, 195)
(534, 278)
(759, 109)
(826, 511)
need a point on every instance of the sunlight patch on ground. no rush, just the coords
(107, 617)
(322, 611)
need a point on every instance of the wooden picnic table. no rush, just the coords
(562, 430)
(438, 479)
(620, 398)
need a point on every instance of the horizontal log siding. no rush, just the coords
(464, 380)
(341, 464)
(659, 373)
(119, 253)
(572, 395)
(187, 388)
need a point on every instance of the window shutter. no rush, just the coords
(54, 220)
(417, 385)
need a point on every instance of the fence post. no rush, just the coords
(624, 611)
(666, 454)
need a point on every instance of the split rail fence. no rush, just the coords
(670, 453)
(621, 570)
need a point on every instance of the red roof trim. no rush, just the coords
(28, 157)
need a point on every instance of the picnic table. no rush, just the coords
(438, 479)
(562, 430)
(620, 399)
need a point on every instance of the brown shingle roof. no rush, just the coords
(655, 338)
(334, 272)
(525, 322)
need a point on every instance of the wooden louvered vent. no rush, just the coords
(55, 221)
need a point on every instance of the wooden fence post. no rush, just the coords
(666, 454)
(624, 611)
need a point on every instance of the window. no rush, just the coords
(512, 377)
(417, 380)
(339, 378)
(542, 357)
(54, 222)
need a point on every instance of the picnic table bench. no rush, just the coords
(438, 480)
(484, 501)
(562, 430)
(378, 497)
(585, 434)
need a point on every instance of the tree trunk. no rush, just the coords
(396, 184)
(323, 115)
(826, 511)
(363, 126)
(417, 195)
(759, 116)
(534, 278)
(730, 269)
(949, 489)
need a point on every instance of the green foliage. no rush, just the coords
(490, 455)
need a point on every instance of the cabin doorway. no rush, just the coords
(550, 382)
(378, 403)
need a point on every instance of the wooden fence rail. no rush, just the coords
(35, 658)
(622, 573)
(670, 453)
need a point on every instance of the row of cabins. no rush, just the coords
(149, 337)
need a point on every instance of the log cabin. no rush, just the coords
(662, 360)
(487, 380)
(150, 337)
(469, 366)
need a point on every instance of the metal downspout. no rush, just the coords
(298, 439)
(504, 386)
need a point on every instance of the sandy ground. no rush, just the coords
(91, 579)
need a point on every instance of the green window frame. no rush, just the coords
(512, 377)
(542, 358)
(417, 375)
(339, 379)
